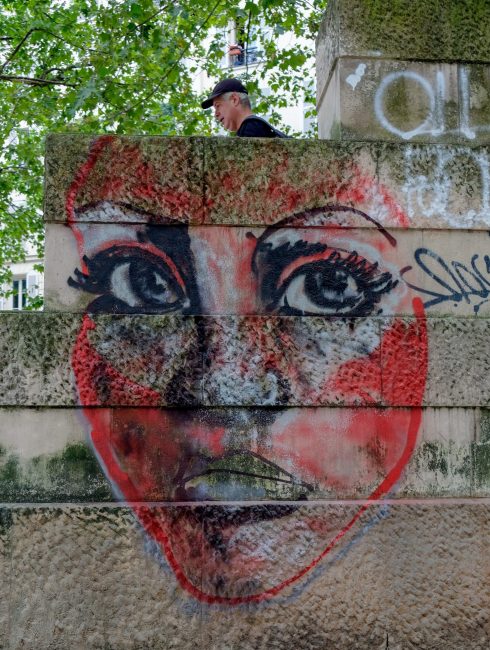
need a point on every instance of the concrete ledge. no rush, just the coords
(139, 360)
(258, 183)
(76, 573)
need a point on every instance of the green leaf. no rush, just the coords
(135, 10)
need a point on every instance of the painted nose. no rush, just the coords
(241, 363)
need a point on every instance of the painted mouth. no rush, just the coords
(239, 476)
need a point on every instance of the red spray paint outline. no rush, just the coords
(84, 356)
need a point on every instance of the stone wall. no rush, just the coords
(254, 412)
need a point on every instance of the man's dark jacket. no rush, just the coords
(256, 127)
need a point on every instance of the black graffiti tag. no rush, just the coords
(459, 283)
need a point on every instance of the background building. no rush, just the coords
(27, 283)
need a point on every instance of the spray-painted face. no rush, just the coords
(228, 398)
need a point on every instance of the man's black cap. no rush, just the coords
(224, 86)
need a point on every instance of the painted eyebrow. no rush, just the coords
(305, 215)
(147, 218)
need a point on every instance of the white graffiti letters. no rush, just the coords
(432, 193)
(434, 122)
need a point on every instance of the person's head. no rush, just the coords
(231, 103)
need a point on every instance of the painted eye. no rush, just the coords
(132, 279)
(335, 286)
(139, 283)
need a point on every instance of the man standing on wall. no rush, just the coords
(233, 111)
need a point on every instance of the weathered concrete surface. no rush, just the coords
(162, 174)
(433, 30)
(149, 351)
(260, 183)
(438, 184)
(100, 589)
(46, 457)
(449, 459)
(35, 359)
(5, 575)
(414, 574)
(385, 73)
(406, 101)
(386, 100)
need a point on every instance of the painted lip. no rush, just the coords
(238, 476)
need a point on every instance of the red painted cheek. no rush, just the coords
(402, 356)
(346, 450)
(98, 382)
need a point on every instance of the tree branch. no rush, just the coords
(40, 29)
(147, 20)
(247, 44)
(34, 81)
(15, 50)
(68, 67)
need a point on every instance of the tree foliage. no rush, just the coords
(125, 67)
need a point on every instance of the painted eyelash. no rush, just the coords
(97, 278)
(371, 285)
(363, 270)
(89, 281)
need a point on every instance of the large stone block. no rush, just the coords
(258, 183)
(47, 457)
(376, 99)
(426, 30)
(158, 360)
(372, 99)
(88, 578)
(448, 271)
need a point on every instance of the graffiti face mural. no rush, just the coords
(245, 375)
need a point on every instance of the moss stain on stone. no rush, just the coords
(481, 464)
(435, 457)
(9, 468)
(481, 453)
(484, 425)
(5, 521)
(71, 475)
(443, 459)
(433, 29)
